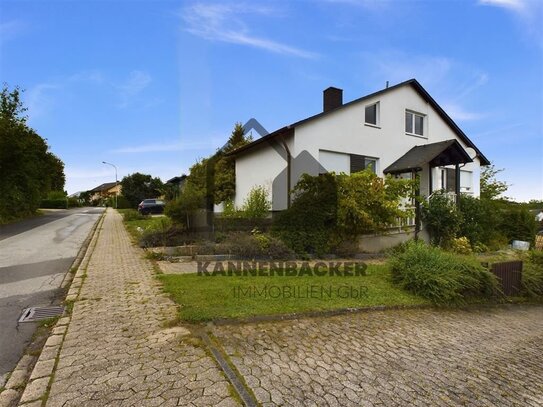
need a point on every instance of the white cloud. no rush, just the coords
(515, 5)
(458, 113)
(40, 99)
(397, 66)
(135, 84)
(451, 82)
(529, 15)
(220, 22)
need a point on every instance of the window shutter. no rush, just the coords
(357, 163)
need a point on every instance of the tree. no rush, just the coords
(225, 166)
(28, 171)
(491, 187)
(137, 187)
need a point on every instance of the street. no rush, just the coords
(35, 254)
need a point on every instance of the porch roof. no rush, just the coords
(448, 152)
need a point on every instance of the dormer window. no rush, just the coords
(414, 123)
(372, 114)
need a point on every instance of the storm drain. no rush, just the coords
(40, 313)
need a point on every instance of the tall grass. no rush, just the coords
(442, 277)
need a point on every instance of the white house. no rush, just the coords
(398, 130)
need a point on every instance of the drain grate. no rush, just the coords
(40, 313)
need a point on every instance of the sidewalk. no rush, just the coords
(118, 350)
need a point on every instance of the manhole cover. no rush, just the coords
(40, 313)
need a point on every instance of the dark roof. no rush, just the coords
(176, 180)
(104, 187)
(411, 82)
(447, 152)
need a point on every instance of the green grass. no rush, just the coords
(204, 298)
(148, 223)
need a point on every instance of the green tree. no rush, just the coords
(137, 187)
(225, 166)
(369, 204)
(28, 171)
(491, 187)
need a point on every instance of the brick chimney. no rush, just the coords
(332, 98)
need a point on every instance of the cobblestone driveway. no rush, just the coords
(488, 357)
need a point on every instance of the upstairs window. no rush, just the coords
(414, 123)
(372, 114)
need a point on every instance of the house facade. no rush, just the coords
(105, 191)
(399, 130)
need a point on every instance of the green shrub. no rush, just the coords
(185, 206)
(132, 214)
(257, 245)
(480, 219)
(73, 203)
(257, 205)
(441, 218)
(441, 277)
(54, 203)
(532, 274)
(460, 245)
(307, 226)
(518, 223)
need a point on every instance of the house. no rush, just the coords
(178, 184)
(105, 191)
(399, 130)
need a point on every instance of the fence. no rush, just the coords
(509, 274)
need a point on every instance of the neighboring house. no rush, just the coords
(106, 190)
(178, 183)
(399, 130)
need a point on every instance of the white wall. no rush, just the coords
(262, 166)
(329, 139)
(344, 131)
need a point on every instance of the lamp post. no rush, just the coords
(116, 181)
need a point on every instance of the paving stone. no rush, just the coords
(394, 358)
(35, 389)
(16, 379)
(42, 369)
(8, 397)
(116, 351)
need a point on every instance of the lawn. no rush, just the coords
(147, 223)
(204, 298)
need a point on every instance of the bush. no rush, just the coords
(441, 217)
(307, 226)
(183, 208)
(54, 203)
(480, 219)
(518, 223)
(132, 214)
(257, 205)
(73, 203)
(258, 246)
(460, 245)
(532, 275)
(441, 277)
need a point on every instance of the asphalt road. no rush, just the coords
(35, 254)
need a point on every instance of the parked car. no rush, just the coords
(148, 206)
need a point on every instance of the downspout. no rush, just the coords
(289, 161)
(417, 205)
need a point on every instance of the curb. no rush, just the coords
(37, 388)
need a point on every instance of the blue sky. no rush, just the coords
(153, 85)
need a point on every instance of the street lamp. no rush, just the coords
(116, 181)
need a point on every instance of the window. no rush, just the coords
(361, 162)
(372, 114)
(414, 123)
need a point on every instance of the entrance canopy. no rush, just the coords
(448, 152)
